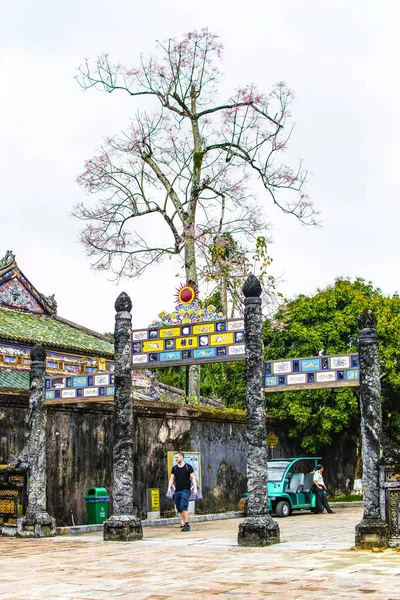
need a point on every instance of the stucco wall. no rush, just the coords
(80, 442)
(13, 426)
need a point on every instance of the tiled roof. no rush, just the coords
(52, 332)
(14, 380)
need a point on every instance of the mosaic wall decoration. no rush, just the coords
(18, 358)
(80, 387)
(312, 373)
(191, 334)
(14, 294)
(192, 342)
(187, 310)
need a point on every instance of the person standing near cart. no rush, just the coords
(182, 479)
(320, 491)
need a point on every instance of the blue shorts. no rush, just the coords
(182, 500)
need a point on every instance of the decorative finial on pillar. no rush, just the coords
(252, 287)
(367, 319)
(38, 353)
(123, 303)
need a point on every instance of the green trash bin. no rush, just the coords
(97, 500)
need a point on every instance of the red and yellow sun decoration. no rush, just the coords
(187, 309)
(186, 294)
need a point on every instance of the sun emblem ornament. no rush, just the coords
(187, 309)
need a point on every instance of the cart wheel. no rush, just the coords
(283, 509)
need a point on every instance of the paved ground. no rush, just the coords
(314, 561)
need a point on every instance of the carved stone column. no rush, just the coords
(37, 522)
(371, 531)
(258, 529)
(123, 525)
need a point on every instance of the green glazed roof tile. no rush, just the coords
(11, 380)
(52, 332)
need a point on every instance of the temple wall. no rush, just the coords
(80, 442)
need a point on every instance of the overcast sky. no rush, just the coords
(339, 56)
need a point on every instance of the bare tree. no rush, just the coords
(188, 163)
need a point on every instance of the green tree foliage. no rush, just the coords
(328, 321)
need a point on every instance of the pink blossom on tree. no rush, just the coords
(192, 164)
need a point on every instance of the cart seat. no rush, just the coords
(308, 482)
(296, 483)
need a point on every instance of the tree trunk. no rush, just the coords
(224, 295)
(191, 276)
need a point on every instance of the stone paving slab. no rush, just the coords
(314, 561)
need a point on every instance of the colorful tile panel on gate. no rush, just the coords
(100, 385)
(193, 343)
(308, 373)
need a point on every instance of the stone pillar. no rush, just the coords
(123, 525)
(371, 531)
(258, 529)
(37, 522)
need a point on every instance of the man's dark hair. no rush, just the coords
(320, 466)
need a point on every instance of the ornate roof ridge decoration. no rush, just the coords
(17, 292)
(7, 261)
(187, 309)
(50, 301)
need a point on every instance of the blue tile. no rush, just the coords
(79, 381)
(166, 356)
(204, 353)
(310, 364)
(354, 360)
(352, 375)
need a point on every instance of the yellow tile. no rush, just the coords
(153, 345)
(186, 343)
(220, 339)
(204, 328)
(170, 332)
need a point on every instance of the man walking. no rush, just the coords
(320, 490)
(182, 478)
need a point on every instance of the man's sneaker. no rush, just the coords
(186, 527)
